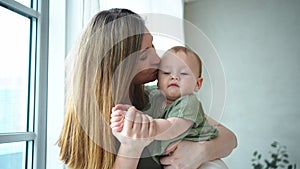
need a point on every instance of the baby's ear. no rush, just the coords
(198, 84)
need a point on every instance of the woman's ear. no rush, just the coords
(198, 84)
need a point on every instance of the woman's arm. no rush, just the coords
(222, 145)
(127, 162)
(193, 154)
(136, 134)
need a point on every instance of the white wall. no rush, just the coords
(258, 42)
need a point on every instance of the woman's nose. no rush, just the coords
(155, 58)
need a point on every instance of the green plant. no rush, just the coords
(278, 158)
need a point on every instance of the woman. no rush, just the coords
(115, 57)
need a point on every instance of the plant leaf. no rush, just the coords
(285, 161)
(274, 144)
(274, 156)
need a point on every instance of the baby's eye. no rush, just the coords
(166, 72)
(184, 73)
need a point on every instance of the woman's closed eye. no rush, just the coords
(143, 56)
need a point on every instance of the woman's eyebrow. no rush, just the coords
(152, 46)
(144, 50)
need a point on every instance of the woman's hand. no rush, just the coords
(117, 118)
(185, 155)
(137, 130)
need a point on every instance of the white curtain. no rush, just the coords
(164, 19)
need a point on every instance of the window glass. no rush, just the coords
(14, 71)
(13, 155)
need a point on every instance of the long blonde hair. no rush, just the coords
(101, 70)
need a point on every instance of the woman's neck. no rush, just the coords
(131, 92)
(136, 96)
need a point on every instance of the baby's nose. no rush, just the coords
(174, 77)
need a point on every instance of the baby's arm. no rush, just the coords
(170, 128)
(166, 129)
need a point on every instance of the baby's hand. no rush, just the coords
(137, 130)
(117, 118)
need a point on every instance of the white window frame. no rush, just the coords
(38, 121)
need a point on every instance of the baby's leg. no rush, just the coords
(216, 164)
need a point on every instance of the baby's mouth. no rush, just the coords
(173, 85)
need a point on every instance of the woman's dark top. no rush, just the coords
(147, 162)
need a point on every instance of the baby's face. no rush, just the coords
(178, 75)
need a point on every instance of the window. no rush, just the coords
(23, 83)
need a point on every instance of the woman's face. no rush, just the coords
(147, 66)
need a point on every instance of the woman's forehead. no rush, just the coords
(147, 40)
